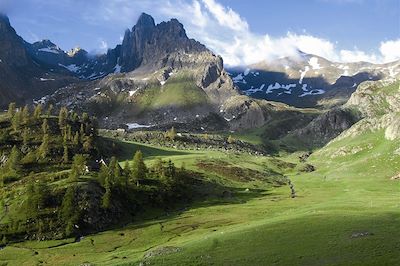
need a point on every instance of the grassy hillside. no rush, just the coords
(346, 213)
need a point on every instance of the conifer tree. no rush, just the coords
(127, 168)
(65, 158)
(14, 161)
(37, 112)
(106, 199)
(31, 203)
(78, 167)
(45, 126)
(87, 144)
(44, 149)
(16, 121)
(11, 109)
(103, 174)
(159, 168)
(76, 139)
(62, 117)
(112, 166)
(49, 110)
(171, 134)
(26, 116)
(139, 168)
(69, 212)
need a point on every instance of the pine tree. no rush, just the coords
(41, 193)
(65, 158)
(159, 168)
(62, 117)
(127, 168)
(103, 174)
(13, 164)
(106, 199)
(31, 201)
(87, 144)
(25, 136)
(16, 121)
(11, 109)
(49, 110)
(45, 126)
(112, 166)
(139, 168)
(44, 149)
(26, 116)
(69, 212)
(69, 132)
(37, 113)
(76, 139)
(78, 167)
(171, 134)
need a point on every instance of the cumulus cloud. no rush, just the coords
(228, 34)
(390, 50)
(225, 32)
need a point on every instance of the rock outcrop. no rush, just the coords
(326, 127)
(21, 78)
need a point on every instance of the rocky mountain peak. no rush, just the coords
(4, 19)
(145, 21)
(5, 25)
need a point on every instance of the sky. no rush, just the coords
(242, 32)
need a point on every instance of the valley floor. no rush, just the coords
(347, 212)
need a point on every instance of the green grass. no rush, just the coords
(179, 91)
(347, 195)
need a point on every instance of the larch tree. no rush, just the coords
(139, 169)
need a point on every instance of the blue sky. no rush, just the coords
(243, 32)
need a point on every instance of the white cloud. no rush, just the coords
(103, 46)
(225, 32)
(228, 34)
(390, 50)
(226, 17)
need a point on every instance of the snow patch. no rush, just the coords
(254, 90)
(49, 50)
(313, 92)
(277, 86)
(73, 68)
(132, 92)
(303, 74)
(136, 125)
(313, 62)
(239, 79)
(117, 69)
(43, 79)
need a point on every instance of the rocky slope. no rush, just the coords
(165, 78)
(309, 80)
(379, 103)
(21, 77)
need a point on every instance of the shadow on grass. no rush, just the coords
(125, 150)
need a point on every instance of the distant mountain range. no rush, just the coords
(308, 80)
(158, 77)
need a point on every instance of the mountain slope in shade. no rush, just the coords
(21, 78)
(308, 80)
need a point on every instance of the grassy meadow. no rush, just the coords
(347, 212)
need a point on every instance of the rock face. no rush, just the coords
(147, 43)
(21, 78)
(378, 102)
(326, 127)
(163, 77)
